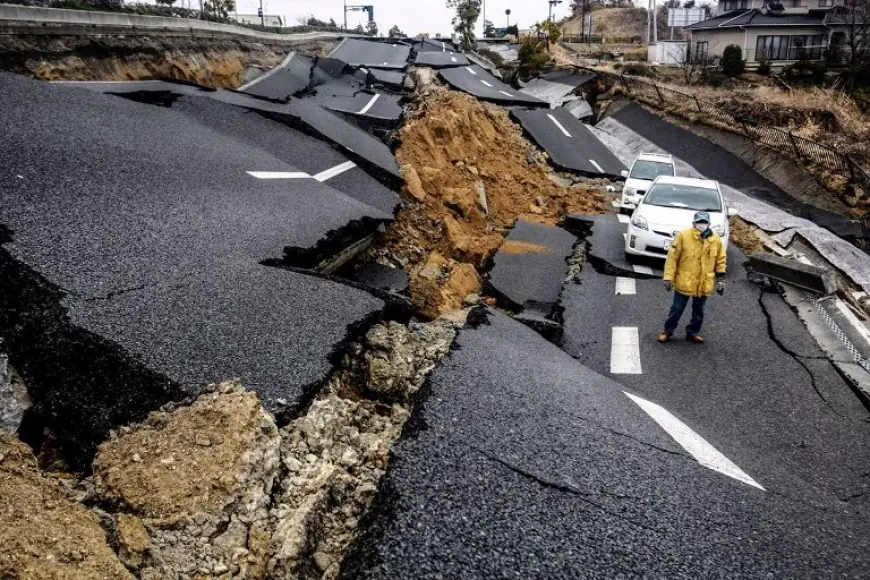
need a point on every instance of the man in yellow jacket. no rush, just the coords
(695, 267)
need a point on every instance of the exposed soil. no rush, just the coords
(213, 63)
(469, 175)
(45, 534)
(742, 235)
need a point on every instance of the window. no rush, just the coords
(772, 48)
(649, 170)
(700, 55)
(826, 3)
(683, 196)
(806, 48)
(729, 5)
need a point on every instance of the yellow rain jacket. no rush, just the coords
(693, 263)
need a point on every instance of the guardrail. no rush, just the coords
(798, 148)
(17, 19)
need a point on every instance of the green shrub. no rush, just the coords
(491, 55)
(763, 66)
(805, 70)
(533, 56)
(732, 61)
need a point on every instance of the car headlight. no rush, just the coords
(719, 230)
(629, 191)
(639, 222)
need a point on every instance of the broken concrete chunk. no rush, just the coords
(14, 400)
(44, 533)
(439, 286)
(206, 504)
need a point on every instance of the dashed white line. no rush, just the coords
(626, 286)
(701, 450)
(471, 70)
(559, 125)
(487, 84)
(598, 167)
(453, 59)
(642, 269)
(625, 351)
(623, 219)
(370, 104)
(443, 49)
(279, 174)
(334, 171)
(506, 94)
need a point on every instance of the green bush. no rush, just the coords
(533, 56)
(732, 61)
(763, 66)
(491, 55)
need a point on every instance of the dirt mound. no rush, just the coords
(470, 174)
(197, 481)
(44, 533)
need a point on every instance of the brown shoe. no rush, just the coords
(696, 338)
(664, 336)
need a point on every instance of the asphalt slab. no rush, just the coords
(434, 59)
(282, 82)
(530, 267)
(556, 86)
(479, 83)
(356, 52)
(606, 248)
(569, 143)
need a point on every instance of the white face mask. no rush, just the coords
(702, 227)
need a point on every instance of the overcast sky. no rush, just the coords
(412, 16)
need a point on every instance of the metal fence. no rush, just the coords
(802, 150)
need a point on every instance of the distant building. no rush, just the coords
(773, 30)
(268, 20)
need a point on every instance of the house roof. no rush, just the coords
(755, 17)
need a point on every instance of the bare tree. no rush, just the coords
(467, 13)
(691, 64)
(854, 15)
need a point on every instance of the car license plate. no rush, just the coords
(668, 244)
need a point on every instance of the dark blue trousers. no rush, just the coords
(677, 309)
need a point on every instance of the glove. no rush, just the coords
(720, 287)
(669, 285)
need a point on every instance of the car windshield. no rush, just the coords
(684, 197)
(649, 170)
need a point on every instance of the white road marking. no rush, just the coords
(623, 219)
(595, 163)
(703, 452)
(853, 320)
(487, 84)
(559, 125)
(442, 47)
(642, 269)
(370, 104)
(279, 174)
(471, 70)
(386, 64)
(453, 59)
(506, 94)
(626, 286)
(625, 351)
(334, 171)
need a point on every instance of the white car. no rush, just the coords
(643, 172)
(668, 207)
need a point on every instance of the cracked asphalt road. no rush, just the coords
(527, 464)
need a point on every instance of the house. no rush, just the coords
(779, 31)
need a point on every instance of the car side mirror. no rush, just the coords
(624, 173)
(731, 211)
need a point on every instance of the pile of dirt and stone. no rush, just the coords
(469, 175)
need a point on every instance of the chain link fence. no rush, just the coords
(798, 148)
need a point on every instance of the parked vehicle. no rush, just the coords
(643, 171)
(668, 207)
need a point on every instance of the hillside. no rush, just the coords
(616, 23)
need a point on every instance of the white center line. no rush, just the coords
(334, 171)
(506, 94)
(279, 175)
(453, 58)
(626, 286)
(625, 351)
(853, 320)
(442, 47)
(598, 167)
(487, 84)
(623, 219)
(370, 104)
(471, 70)
(559, 125)
(642, 269)
(703, 452)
